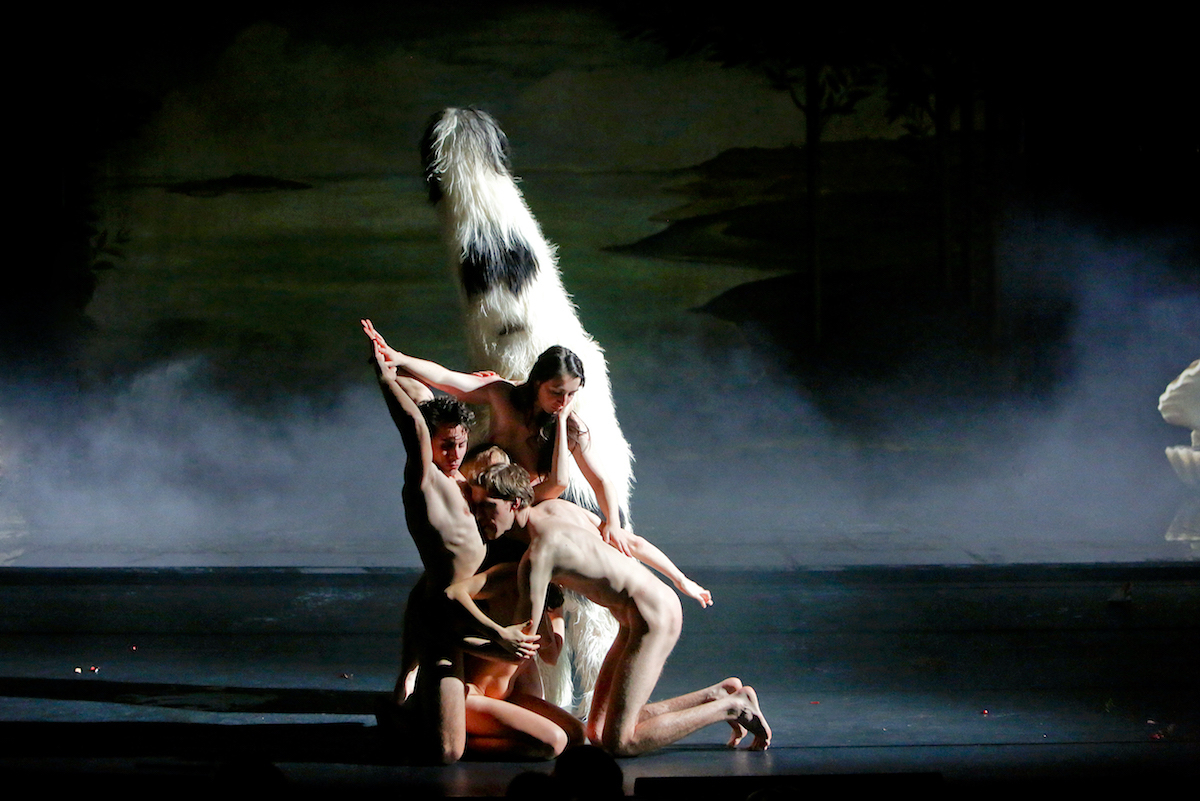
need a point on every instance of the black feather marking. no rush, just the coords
(514, 270)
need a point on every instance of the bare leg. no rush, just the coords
(406, 681)
(570, 724)
(497, 728)
(441, 692)
(603, 690)
(650, 632)
(740, 708)
(441, 701)
(717, 691)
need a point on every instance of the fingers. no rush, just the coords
(372, 333)
(619, 539)
(518, 635)
(527, 650)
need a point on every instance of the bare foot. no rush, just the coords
(752, 718)
(735, 737)
(726, 688)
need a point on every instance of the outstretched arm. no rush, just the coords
(467, 387)
(515, 638)
(646, 553)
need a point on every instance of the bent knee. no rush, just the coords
(668, 616)
(621, 746)
(576, 733)
(452, 752)
(453, 746)
(594, 732)
(559, 743)
(540, 745)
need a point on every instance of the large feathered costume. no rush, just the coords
(516, 308)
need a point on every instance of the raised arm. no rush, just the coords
(515, 638)
(467, 387)
(403, 409)
(646, 553)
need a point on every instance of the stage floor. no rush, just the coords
(981, 675)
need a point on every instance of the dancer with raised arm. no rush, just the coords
(524, 422)
(447, 539)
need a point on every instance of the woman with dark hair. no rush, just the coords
(527, 419)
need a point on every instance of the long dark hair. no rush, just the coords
(555, 362)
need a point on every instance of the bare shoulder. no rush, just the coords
(559, 509)
(499, 389)
(498, 396)
(564, 529)
(555, 507)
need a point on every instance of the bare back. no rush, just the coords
(565, 545)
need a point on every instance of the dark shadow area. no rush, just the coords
(284, 700)
(332, 742)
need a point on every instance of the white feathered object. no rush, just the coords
(516, 307)
(1180, 405)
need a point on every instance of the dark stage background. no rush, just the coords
(889, 361)
(1005, 280)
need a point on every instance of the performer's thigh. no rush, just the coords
(570, 724)
(491, 717)
(604, 682)
(633, 681)
(441, 694)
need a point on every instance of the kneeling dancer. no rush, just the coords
(565, 546)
